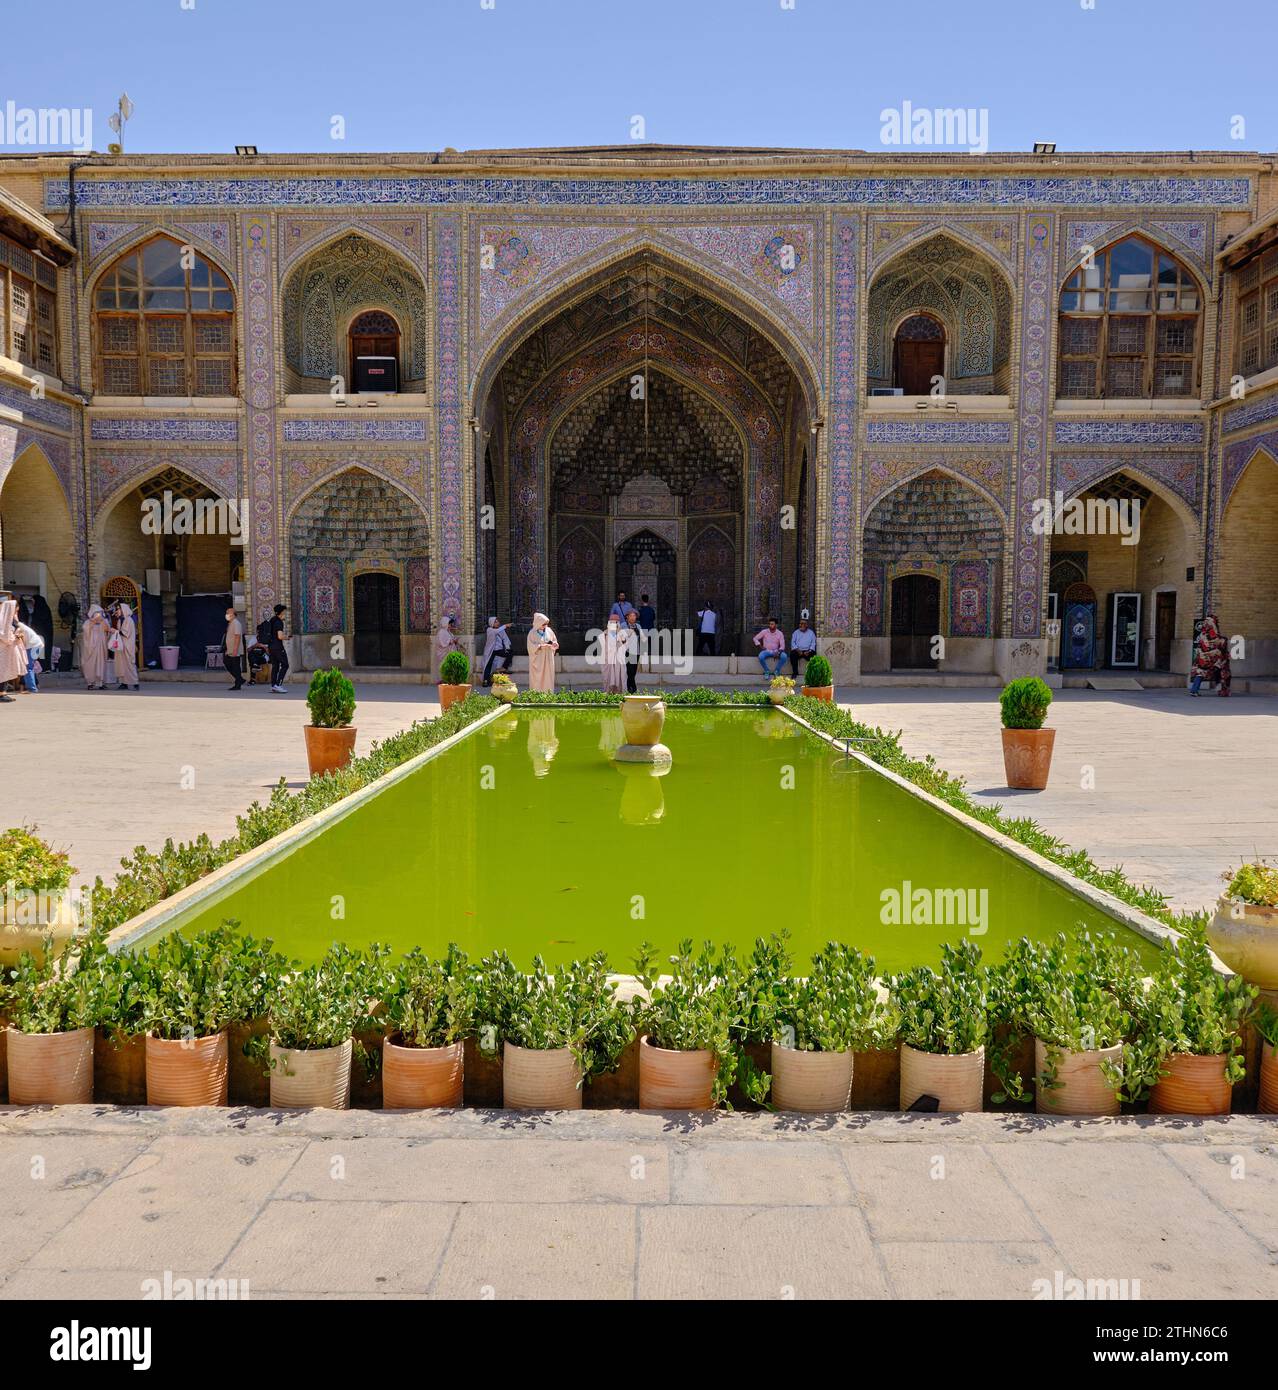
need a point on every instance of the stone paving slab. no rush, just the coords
(624, 1204)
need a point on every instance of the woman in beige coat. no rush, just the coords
(93, 647)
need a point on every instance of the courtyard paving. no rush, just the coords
(492, 1204)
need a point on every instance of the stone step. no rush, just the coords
(938, 680)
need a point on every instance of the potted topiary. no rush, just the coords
(1027, 746)
(818, 679)
(189, 998)
(430, 1010)
(454, 679)
(314, 1016)
(818, 1023)
(503, 688)
(330, 739)
(1244, 931)
(1187, 1051)
(1073, 1004)
(556, 1031)
(943, 1027)
(780, 689)
(50, 1031)
(689, 1023)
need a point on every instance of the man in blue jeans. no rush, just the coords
(771, 643)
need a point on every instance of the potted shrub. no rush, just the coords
(1072, 1005)
(257, 971)
(330, 739)
(1266, 1024)
(503, 688)
(1027, 746)
(34, 873)
(1244, 931)
(943, 1024)
(117, 986)
(763, 981)
(189, 999)
(1187, 1051)
(556, 1031)
(50, 1032)
(818, 1023)
(430, 1012)
(454, 679)
(780, 689)
(818, 679)
(314, 1016)
(689, 1023)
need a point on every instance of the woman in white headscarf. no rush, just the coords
(613, 642)
(13, 653)
(93, 647)
(446, 639)
(542, 646)
(126, 654)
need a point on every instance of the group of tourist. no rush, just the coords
(770, 641)
(1211, 658)
(21, 650)
(243, 656)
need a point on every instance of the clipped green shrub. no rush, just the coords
(454, 669)
(817, 674)
(331, 698)
(1025, 703)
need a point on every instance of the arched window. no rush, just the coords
(164, 328)
(373, 333)
(1130, 325)
(918, 354)
(1258, 314)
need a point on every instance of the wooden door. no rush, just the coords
(376, 620)
(917, 362)
(1164, 630)
(916, 617)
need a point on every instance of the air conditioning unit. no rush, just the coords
(887, 391)
(376, 374)
(161, 582)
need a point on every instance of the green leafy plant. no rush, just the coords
(763, 983)
(817, 674)
(454, 669)
(1265, 1022)
(329, 1002)
(1025, 701)
(432, 1003)
(116, 985)
(331, 698)
(575, 1006)
(834, 1008)
(699, 1004)
(1256, 884)
(944, 1011)
(47, 993)
(782, 683)
(1073, 999)
(1187, 1007)
(31, 864)
(502, 679)
(194, 986)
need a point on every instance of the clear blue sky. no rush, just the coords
(426, 74)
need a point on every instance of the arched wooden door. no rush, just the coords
(372, 334)
(918, 353)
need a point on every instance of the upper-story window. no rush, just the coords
(1258, 314)
(165, 325)
(1130, 325)
(28, 308)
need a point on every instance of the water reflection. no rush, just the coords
(642, 800)
(612, 734)
(542, 743)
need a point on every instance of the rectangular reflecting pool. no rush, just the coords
(526, 835)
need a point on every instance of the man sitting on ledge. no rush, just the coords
(771, 643)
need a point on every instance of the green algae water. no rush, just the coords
(526, 835)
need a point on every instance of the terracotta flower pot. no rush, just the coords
(876, 1079)
(186, 1073)
(643, 717)
(1192, 1085)
(1027, 757)
(540, 1078)
(1267, 1101)
(420, 1078)
(956, 1080)
(4, 1059)
(1245, 937)
(119, 1068)
(304, 1078)
(1082, 1088)
(810, 1082)
(51, 1068)
(675, 1080)
(327, 750)
(248, 1079)
(819, 692)
(451, 695)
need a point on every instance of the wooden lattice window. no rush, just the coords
(1258, 315)
(28, 310)
(1130, 325)
(165, 325)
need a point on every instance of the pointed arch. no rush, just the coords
(37, 519)
(922, 469)
(1146, 479)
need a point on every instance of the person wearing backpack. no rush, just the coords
(270, 632)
